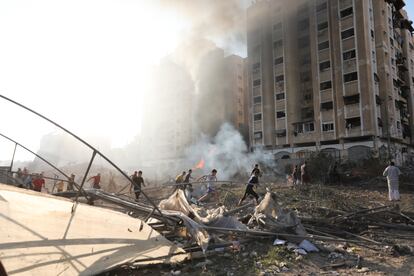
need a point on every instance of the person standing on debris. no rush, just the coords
(392, 173)
(304, 174)
(295, 174)
(96, 180)
(137, 181)
(38, 183)
(254, 180)
(210, 186)
(71, 183)
(187, 179)
(180, 179)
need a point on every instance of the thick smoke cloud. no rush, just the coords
(228, 153)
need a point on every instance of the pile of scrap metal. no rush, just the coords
(207, 226)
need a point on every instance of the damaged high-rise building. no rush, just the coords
(331, 75)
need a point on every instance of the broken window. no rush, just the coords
(279, 78)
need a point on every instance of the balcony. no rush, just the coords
(352, 110)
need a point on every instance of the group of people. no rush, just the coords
(32, 181)
(300, 174)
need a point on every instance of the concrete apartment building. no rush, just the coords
(331, 75)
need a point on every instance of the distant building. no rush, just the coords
(331, 75)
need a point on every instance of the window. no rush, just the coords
(351, 77)
(327, 127)
(280, 114)
(347, 12)
(353, 99)
(256, 82)
(348, 33)
(308, 127)
(322, 26)
(279, 78)
(278, 44)
(324, 65)
(257, 117)
(325, 85)
(281, 132)
(307, 97)
(280, 96)
(257, 100)
(372, 34)
(321, 7)
(349, 55)
(279, 61)
(256, 66)
(258, 135)
(327, 105)
(353, 122)
(323, 45)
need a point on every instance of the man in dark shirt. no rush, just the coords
(187, 178)
(255, 169)
(137, 181)
(254, 180)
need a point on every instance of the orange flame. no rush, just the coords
(200, 164)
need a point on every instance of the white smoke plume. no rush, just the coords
(228, 153)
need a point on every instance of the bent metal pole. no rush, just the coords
(85, 143)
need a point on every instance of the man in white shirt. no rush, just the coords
(211, 190)
(392, 173)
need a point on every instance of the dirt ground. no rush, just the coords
(261, 257)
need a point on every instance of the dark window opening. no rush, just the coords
(278, 44)
(348, 33)
(279, 78)
(256, 66)
(327, 127)
(325, 85)
(323, 45)
(353, 122)
(257, 100)
(258, 135)
(257, 82)
(349, 54)
(322, 26)
(279, 61)
(280, 114)
(257, 117)
(324, 65)
(353, 99)
(377, 100)
(280, 96)
(380, 124)
(351, 77)
(347, 12)
(327, 105)
(307, 97)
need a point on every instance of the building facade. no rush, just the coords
(330, 75)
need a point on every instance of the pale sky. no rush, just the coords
(84, 64)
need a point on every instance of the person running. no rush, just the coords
(137, 181)
(392, 173)
(254, 180)
(38, 183)
(211, 190)
(180, 179)
(255, 169)
(96, 180)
